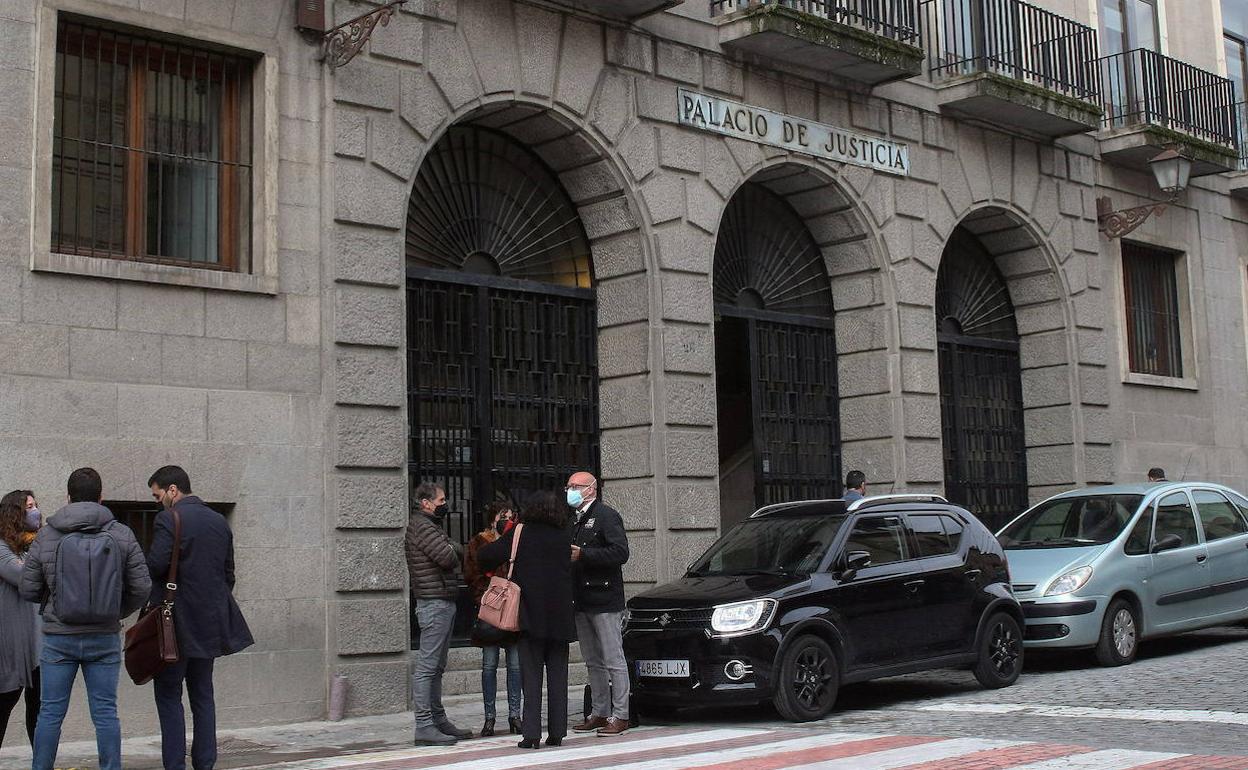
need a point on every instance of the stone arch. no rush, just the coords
(378, 157)
(1043, 318)
(861, 299)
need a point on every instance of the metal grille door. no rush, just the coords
(981, 392)
(981, 405)
(502, 388)
(796, 411)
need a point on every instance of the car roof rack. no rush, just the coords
(778, 507)
(899, 498)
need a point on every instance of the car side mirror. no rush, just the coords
(854, 561)
(1167, 542)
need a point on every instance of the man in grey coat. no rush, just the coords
(107, 580)
(435, 576)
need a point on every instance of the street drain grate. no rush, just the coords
(240, 746)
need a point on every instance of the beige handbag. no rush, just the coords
(500, 604)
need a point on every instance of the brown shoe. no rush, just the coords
(589, 725)
(613, 728)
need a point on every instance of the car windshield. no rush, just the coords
(1071, 521)
(774, 545)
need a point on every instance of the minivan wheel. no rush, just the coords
(1120, 634)
(808, 679)
(1000, 652)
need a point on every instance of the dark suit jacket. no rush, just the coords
(598, 576)
(208, 621)
(543, 570)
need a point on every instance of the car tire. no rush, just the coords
(807, 680)
(1000, 658)
(1120, 634)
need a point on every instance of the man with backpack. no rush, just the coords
(87, 572)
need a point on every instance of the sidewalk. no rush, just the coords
(258, 746)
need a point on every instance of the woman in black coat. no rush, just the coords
(543, 570)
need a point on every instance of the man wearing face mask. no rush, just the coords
(435, 577)
(207, 620)
(599, 552)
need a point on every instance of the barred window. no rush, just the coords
(1152, 301)
(152, 150)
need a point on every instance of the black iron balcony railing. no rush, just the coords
(1241, 133)
(1144, 87)
(893, 19)
(1014, 39)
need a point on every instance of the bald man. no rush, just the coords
(599, 551)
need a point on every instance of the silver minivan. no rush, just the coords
(1104, 567)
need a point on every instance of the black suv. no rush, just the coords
(803, 597)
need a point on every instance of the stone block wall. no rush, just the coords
(126, 376)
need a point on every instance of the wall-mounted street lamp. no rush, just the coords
(1172, 172)
(340, 44)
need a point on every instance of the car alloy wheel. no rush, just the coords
(807, 680)
(812, 678)
(1000, 652)
(1005, 648)
(1124, 632)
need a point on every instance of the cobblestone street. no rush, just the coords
(1182, 697)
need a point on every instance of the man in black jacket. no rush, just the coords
(599, 551)
(207, 620)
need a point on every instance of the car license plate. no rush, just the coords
(665, 668)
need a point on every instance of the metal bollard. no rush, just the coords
(338, 687)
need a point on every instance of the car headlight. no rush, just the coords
(1070, 582)
(626, 616)
(742, 617)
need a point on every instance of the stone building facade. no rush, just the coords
(288, 388)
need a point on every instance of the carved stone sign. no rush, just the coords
(754, 124)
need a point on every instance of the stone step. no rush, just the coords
(463, 670)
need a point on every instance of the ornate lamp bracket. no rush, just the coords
(343, 42)
(1116, 224)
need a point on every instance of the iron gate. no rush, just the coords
(502, 388)
(981, 404)
(793, 405)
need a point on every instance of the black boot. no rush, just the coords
(514, 724)
(528, 743)
(487, 729)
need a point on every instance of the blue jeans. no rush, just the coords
(489, 680)
(436, 619)
(197, 673)
(99, 657)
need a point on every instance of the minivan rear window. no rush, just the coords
(1069, 522)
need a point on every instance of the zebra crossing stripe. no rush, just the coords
(1008, 757)
(1110, 759)
(953, 748)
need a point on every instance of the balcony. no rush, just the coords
(867, 41)
(1010, 63)
(626, 10)
(1152, 102)
(1239, 181)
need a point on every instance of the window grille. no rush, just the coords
(1152, 300)
(152, 150)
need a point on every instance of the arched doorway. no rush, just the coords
(775, 358)
(981, 401)
(502, 333)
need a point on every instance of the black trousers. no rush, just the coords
(197, 673)
(551, 656)
(9, 699)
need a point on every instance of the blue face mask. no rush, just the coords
(575, 498)
(33, 520)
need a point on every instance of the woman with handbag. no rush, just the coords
(499, 521)
(19, 620)
(543, 571)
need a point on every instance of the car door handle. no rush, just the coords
(913, 585)
(1201, 558)
(972, 573)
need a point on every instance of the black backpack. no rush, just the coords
(90, 568)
